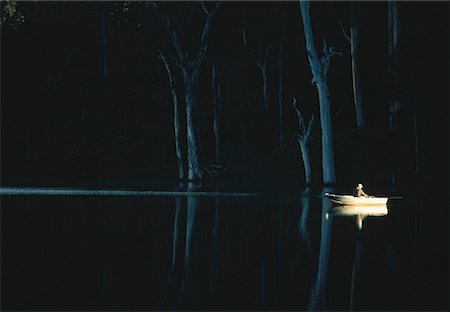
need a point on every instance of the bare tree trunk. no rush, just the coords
(195, 171)
(329, 175)
(416, 137)
(105, 70)
(304, 137)
(353, 40)
(319, 69)
(215, 84)
(242, 129)
(262, 64)
(164, 111)
(393, 33)
(354, 46)
(393, 103)
(280, 87)
(190, 67)
(244, 35)
(304, 147)
(176, 121)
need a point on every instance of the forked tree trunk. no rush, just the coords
(319, 69)
(190, 66)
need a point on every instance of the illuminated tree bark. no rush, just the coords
(319, 69)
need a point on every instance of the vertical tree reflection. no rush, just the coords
(317, 300)
(356, 272)
(215, 249)
(175, 270)
(303, 230)
(189, 283)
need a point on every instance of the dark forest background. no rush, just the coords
(63, 120)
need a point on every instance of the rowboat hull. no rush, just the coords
(355, 201)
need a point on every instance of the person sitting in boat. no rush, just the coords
(359, 191)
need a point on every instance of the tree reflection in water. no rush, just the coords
(317, 300)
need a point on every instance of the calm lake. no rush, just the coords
(281, 251)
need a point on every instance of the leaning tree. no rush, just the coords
(319, 68)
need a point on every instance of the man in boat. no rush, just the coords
(359, 191)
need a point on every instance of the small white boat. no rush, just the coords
(356, 201)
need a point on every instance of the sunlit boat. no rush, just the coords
(353, 200)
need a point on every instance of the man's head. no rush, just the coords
(360, 186)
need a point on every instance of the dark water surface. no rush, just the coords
(277, 252)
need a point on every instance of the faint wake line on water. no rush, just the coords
(11, 191)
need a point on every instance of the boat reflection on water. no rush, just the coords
(329, 212)
(360, 212)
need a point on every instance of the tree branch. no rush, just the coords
(310, 124)
(163, 57)
(244, 35)
(205, 10)
(172, 59)
(181, 53)
(205, 33)
(344, 33)
(262, 62)
(328, 53)
(267, 52)
(304, 131)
